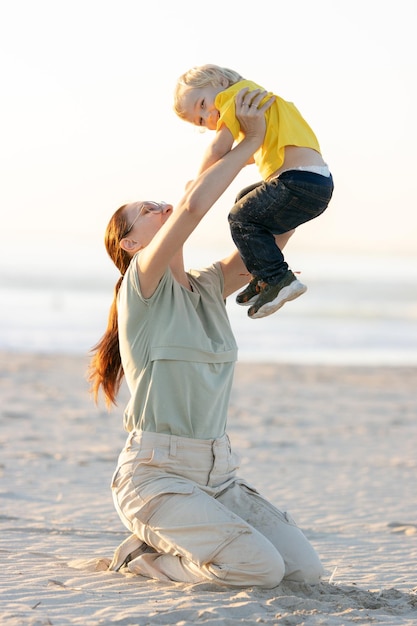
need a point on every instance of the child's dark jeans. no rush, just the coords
(272, 208)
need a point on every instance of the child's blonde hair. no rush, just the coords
(198, 77)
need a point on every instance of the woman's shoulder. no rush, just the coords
(131, 281)
(211, 273)
(208, 277)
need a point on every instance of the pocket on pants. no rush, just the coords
(131, 462)
(273, 511)
(136, 483)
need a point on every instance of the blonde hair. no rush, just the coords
(198, 77)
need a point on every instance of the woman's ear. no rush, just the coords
(129, 245)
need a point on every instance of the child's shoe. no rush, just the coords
(272, 297)
(249, 294)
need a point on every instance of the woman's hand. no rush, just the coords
(251, 113)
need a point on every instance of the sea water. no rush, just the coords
(355, 311)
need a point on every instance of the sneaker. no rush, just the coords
(249, 294)
(272, 297)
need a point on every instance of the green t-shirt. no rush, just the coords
(178, 353)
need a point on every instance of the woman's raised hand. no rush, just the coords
(250, 112)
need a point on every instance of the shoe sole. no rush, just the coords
(249, 302)
(291, 292)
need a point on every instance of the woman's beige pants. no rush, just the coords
(199, 521)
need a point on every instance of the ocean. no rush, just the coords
(360, 310)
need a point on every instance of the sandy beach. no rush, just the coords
(334, 445)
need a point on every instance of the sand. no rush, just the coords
(335, 446)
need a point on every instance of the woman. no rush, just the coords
(175, 488)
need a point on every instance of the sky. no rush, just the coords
(87, 121)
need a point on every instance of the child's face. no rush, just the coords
(199, 106)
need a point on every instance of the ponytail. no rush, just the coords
(105, 370)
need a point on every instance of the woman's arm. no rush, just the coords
(203, 193)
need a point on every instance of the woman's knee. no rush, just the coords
(311, 572)
(270, 572)
(251, 560)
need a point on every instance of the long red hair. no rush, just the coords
(105, 369)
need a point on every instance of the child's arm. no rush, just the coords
(221, 145)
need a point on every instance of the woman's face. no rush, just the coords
(198, 105)
(144, 219)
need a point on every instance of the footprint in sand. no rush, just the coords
(403, 527)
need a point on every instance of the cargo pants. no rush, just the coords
(199, 522)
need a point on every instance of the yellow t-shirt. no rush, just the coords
(285, 126)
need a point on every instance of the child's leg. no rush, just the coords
(249, 295)
(270, 209)
(274, 208)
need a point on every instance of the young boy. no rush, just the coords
(297, 185)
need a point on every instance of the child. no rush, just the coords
(297, 185)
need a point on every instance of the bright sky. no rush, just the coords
(87, 121)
